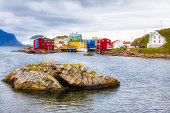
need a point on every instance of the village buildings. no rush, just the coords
(127, 43)
(35, 37)
(44, 44)
(104, 44)
(58, 42)
(75, 37)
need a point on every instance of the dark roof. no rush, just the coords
(48, 39)
(37, 36)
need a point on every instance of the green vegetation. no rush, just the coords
(166, 34)
(61, 37)
(118, 49)
(165, 49)
(32, 66)
(151, 50)
(141, 41)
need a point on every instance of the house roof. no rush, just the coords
(60, 39)
(151, 34)
(126, 42)
(37, 36)
(47, 38)
(115, 41)
(74, 35)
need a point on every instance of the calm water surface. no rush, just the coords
(144, 88)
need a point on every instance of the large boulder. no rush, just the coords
(24, 78)
(53, 76)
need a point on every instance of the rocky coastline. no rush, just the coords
(30, 50)
(51, 76)
(129, 53)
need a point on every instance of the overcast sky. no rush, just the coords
(25, 18)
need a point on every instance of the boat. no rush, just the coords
(82, 49)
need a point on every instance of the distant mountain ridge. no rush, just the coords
(8, 38)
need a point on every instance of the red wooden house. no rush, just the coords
(44, 43)
(104, 44)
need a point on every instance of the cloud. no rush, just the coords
(30, 17)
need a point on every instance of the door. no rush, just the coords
(36, 44)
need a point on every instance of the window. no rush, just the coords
(154, 41)
(159, 41)
(159, 37)
(154, 37)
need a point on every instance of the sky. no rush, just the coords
(114, 19)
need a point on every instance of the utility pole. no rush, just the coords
(161, 24)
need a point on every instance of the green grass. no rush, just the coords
(141, 41)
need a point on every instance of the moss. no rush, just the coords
(65, 65)
(48, 76)
(33, 66)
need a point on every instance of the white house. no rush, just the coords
(66, 40)
(58, 42)
(155, 40)
(35, 37)
(117, 44)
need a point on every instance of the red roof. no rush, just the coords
(115, 41)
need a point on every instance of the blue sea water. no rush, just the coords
(144, 88)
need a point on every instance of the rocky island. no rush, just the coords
(53, 76)
(31, 50)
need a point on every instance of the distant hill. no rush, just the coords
(8, 39)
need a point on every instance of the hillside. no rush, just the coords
(141, 41)
(166, 34)
(145, 39)
(6, 38)
(165, 49)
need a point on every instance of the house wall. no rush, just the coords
(66, 41)
(76, 38)
(156, 40)
(117, 44)
(41, 43)
(104, 44)
(77, 44)
(91, 43)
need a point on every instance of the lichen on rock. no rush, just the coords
(53, 76)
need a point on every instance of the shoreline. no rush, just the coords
(119, 52)
(129, 53)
